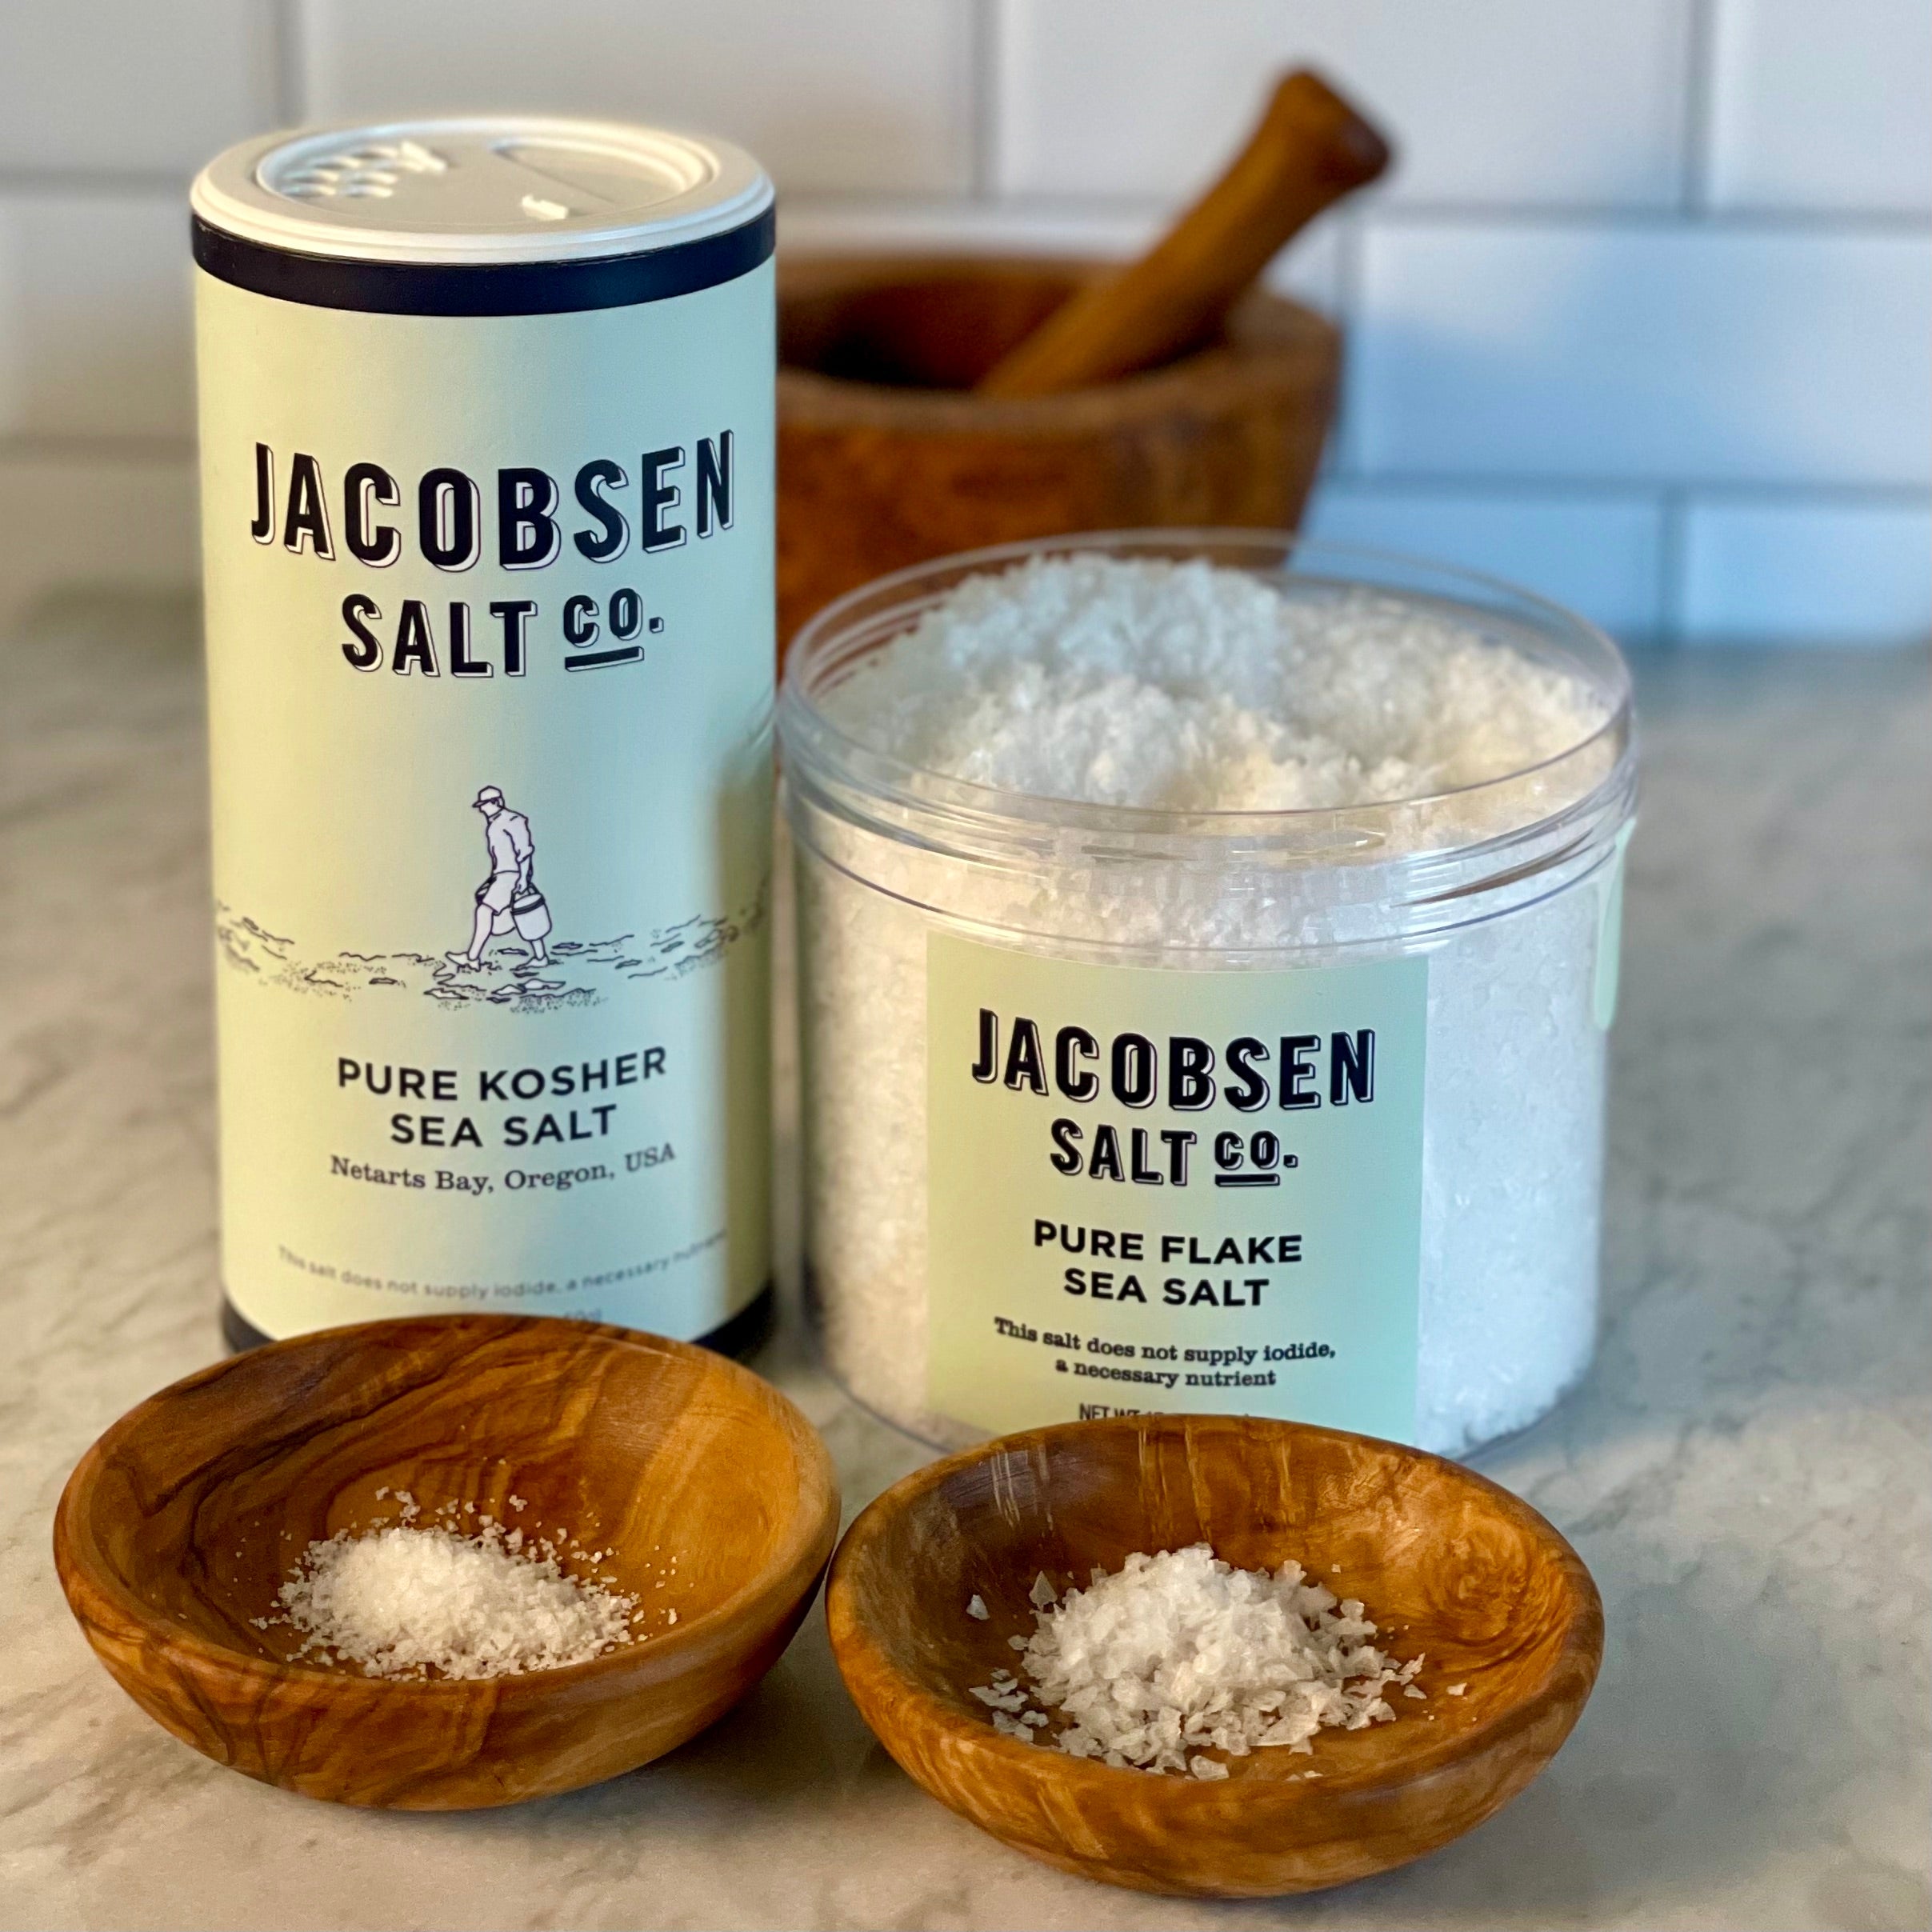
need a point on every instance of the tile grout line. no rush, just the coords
(1699, 113)
(1677, 493)
(1768, 493)
(290, 81)
(1672, 508)
(1793, 225)
(103, 181)
(1493, 217)
(984, 67)
(1389, 213)
(1342, 462)
(108, 449)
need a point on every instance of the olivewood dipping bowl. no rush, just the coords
(1447, 1563)
(179, 1525)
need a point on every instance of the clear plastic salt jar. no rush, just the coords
(1207, 945)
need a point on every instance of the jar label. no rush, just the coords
(489, 647)
(1155, 1190)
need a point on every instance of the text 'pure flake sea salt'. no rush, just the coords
(1179, 1653)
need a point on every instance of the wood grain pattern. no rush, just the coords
(1448, 1564)
(1310, 148)
(178, 1526)
(886, 459)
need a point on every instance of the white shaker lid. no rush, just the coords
(481, 190)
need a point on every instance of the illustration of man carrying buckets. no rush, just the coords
(508, 901)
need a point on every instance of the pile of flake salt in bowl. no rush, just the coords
(1178, 1653)
(1206, 947)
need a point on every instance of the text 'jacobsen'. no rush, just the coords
(1290, 1074)
(617, 512)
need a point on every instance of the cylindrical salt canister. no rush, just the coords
(486, 495)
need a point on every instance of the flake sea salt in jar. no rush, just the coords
(1207, 944)
(486, 434)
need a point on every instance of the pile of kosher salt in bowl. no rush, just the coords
(1216, 753)
(456, 1594)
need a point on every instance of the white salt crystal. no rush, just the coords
(1456, 1690)
(976, 1606)
(1148, 684)
(404, 1602)
(996, 1699)
(1185, 687)
(1043, 1592)
(1180, 1653)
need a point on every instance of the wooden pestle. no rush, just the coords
(1310, 148)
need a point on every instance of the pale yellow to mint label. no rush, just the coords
(489, 669)
(1168, 1191)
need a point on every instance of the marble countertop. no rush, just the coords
(1745, 1471)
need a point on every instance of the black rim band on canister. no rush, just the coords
(492, 288)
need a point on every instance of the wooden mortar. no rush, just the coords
(886, 459)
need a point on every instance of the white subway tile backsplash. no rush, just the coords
(1822, 107)
(1640, 322)
(1496, 101)
(127, 86)
(1310, 271)
(95, 329)
(842, 96)
(74, 521)
(1806, 570)
(1609, 351)
(1600, 553)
